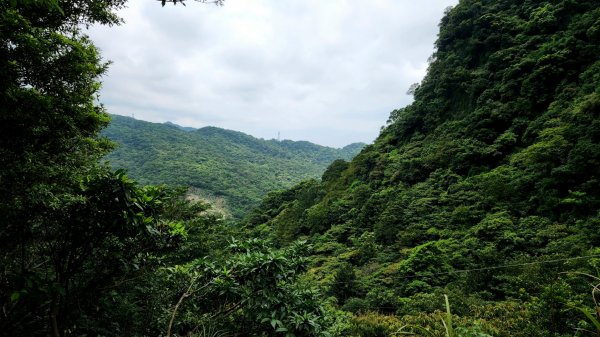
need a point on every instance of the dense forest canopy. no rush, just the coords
(69, 225)
(217, 164)
(496, 163)
(485, 189)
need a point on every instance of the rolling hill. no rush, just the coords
(231, 168)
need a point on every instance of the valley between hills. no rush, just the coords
(232, 170)
(475, 212)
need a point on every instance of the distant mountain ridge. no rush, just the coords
(184, 128)
(219, 164)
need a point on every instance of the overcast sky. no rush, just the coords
(329, 72)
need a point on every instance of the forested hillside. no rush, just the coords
(86, 251)
(216, 163)
(486, 188)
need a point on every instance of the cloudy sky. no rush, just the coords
(329, 72)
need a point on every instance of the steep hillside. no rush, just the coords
(217, 163)
(487, 187)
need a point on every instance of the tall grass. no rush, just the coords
(449, 329)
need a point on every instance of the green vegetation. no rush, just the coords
(494, 167)
(482, 195)
(218, 164)
(88, 252)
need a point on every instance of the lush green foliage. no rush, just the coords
(486, 188)
(85, 250)
(65, 220)
(497, 162)
(253, 291)
(218, 164)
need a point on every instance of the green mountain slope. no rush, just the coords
(495, 164)
(218, 163)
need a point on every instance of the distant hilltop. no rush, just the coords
(230, 167)
(184, 128)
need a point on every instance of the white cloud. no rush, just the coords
(324, 71)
